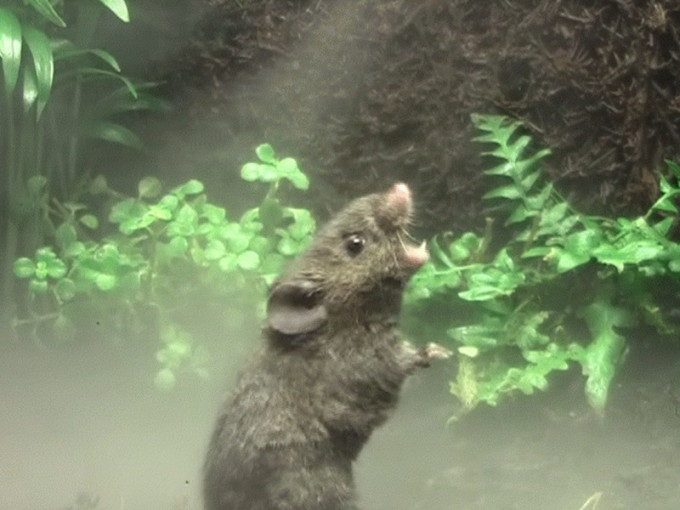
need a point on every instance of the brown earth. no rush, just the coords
(365, 92)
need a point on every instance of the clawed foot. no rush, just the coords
(434, 351)
(423, 356)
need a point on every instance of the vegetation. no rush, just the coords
(168, 248)
(59, 95)
(548, 288)
(551, 286)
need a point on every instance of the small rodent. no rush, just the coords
(330, 370)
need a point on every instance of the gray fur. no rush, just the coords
(329, 373)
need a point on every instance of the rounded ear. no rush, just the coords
(295, 307)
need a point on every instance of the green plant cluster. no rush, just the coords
(61, 95)
(166, 247)
(551, 286)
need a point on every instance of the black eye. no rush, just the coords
(354, 244)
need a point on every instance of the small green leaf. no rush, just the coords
(64, 49)
(98, 185)
(74, 250)
(510, 192)
(228, 263)
(117, 7)
(38, 286)
(299, 180)
(250, 172)
(214, 250)
(177, 247)
(237, 240)
(114, 133)
(45, 9)
(215, 215)
(185, 223)
(675, 168)
(65, 235)
(268, 173)
(266, 153)
(248, 260)
(90, 221)
(149, 187)
(105, 281)
(24, 267)
(287, 247)
(192, 187)
(65, 289)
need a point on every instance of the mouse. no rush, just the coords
(330, 369)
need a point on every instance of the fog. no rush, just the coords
(82, 426)
(86, 422)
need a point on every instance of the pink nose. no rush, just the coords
(401, 192)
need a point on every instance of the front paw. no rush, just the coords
(433, 351)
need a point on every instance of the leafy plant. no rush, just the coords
(59, 95)
(557, 289)
(168, 247)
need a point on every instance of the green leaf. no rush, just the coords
(89, 220)
(192, 187)
(578, 249)
(248, 260)
(299, 180)
(38, 286)
(114, 133)
(287, 247)
(633, 252)
(228, 263)
(185, 223)
(45, 9)
(119, 8)
(65, 235)
(510, 192)
(215, 215)
(303, 225)
(465, 247)
(266, 153)
(10, 48)
(214, 250)
(98, 185)
(674, 167)
(601, 358)
(149, 187)
(65, 289)
(250, 172)
(177, 247)
(64, 50)
(24, 267)
(237, 239)
(43, 64)
(268, 173)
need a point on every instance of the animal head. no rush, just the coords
(356, 267)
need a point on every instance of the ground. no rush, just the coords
(88, 421)
(367, 92)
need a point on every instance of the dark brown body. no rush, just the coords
(330, 371)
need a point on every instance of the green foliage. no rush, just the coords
(60, 94)
(168, 246)
(556, 289)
